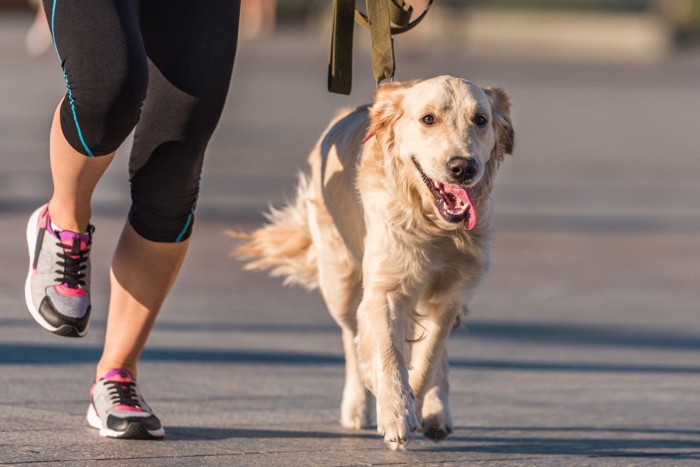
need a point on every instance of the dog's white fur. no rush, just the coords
(365, 229)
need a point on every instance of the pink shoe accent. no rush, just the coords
(66, 291)
(68, 238)
(44, 222)
(119, 375)
(127, 408)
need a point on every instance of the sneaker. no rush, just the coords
(118, 410)
(57, 290)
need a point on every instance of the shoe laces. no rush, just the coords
(73, 262)
(123, 393)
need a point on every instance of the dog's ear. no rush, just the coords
(387, 105)
(500, 108)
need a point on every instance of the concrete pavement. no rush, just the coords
(583, 347)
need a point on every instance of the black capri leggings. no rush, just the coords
(160, 66)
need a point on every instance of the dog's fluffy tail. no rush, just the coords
(284, 245)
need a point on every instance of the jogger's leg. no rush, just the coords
(142, 274)
(103, 59)
(74, 179)
(191, 46)
(101, 54)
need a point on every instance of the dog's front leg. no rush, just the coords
(434, 408)
(428, 375)
(380, 341)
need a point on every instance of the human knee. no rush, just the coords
(160, 218)
(164, 194)
(97, 118)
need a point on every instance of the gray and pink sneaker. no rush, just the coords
(57, 289)
(118, 410)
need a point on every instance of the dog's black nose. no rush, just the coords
(462, 168)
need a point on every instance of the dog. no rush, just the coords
(394, 226)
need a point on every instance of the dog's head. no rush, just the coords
(447, 136)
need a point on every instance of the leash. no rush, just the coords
(384, 18)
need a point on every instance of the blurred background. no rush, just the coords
(656, 26)
(606, 107)
(590, 315)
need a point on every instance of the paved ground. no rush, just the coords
(584, 343)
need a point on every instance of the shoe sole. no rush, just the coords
(133, 430)
(64, 330)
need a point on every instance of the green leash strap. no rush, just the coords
(381, 14)
(340, 66)
(380, 36)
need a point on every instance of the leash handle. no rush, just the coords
(381, 14)
(340, 64)
(400, 15)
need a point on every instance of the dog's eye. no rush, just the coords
(428, 119)
(480, 120)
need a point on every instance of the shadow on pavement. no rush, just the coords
(540, 333)
(588, 429)
(39, 354)
(595, 443)
(581, 334)
(207, 433)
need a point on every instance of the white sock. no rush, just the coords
(55, 228)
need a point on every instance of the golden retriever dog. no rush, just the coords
(393, 225)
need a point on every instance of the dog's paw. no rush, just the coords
(398, 427)
(398, 432)
(356, 407)
(355, 415)
(435, 428)
(436, 420)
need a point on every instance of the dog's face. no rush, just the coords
(443, 132)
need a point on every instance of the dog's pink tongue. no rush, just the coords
(460, 196)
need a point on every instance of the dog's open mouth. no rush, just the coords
(455, 203)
